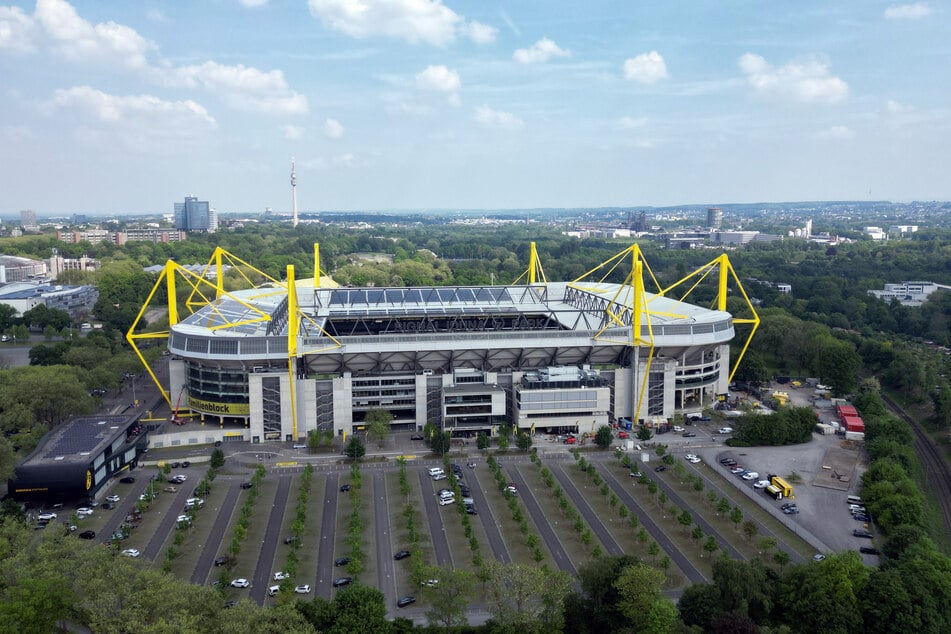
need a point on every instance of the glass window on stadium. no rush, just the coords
(271, 389)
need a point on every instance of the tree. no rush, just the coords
(699, 605)
(359, 608)
(643, 433)
(378, 424)
(824, 598)
(736, 516)
(217, 458)
(604, 437)
(640, 600)
(523, 441)
(449, 598)
(685, 519)
(355, 448)
(750, 529)
(520, 595)
(440, 442)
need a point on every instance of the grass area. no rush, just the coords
(247, 559)
(514, 540)
(196, 536)
(395, 505)
(620, 527)
(578, 552)
(370, 574)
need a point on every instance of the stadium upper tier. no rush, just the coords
(253, 324)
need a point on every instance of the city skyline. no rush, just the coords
(453, 105)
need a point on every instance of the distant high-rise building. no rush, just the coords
(714, 217)
(28, 218)
(195, 215)
(640, 224)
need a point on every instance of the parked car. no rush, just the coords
(689, 434)
(112, 498)
(404, 601)
(622, 434)
(470, 510)
(273, 590)
(725, 430)
(231, 603)
(750, 475)
(792, 510)
(660, 468)
(342, 581)
(439, 476)
(240, 583)
(84, 511)
(678, 428)
(694, 460)
(818, 557)
(186, 464)
(862, 517)
(344, 488)
(761, 484)
(786, 505)
(127, 479)
(247, 485)
(861, 532)
(416, 437)
(510, 488)
(87, 535)
(302, 589)
(341, 561)
(737, 470)
(281, 576)
(868, 550)
(402, 554)
(221, 561)
(131, 552)
(290, 539)
(46, 517)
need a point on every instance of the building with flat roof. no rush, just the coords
(276, 362)
(76, 458)
(25, 296)
(195, 215)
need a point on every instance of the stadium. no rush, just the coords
(278, 360)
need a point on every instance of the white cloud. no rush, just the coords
(242, 87)
(480, 33)
(628, 123)
(132, 120)
(540, 52)
(646, 68)
(156, 15)
(292, 132)
(78, 40)
(253, 3)
(497, 118)
(414, 21)
(16, 30)
(438, 78)
(914, 11)
(837, 132)
(895, 107)
(333, 129)
(806, 80)
(344, 160)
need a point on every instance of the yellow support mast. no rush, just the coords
(292, 327)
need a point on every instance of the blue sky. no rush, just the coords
(127, 107)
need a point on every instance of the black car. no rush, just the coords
(127, 479)
(404, 601)
(861, 532)
(791, 510)
(186, 464)
(868, 550)
(246, 485)
(290, 539)
(176, 465)
(341, 561)
(787, 505)
(470, 510)
(403, 554)
(231, 604)
(342, 581)
(660, 468)
(87, 535)
(221, 561)
(108, 505)
(344, 487)
(416, 437)
(862, 517)
(690, 434)
(464, 490)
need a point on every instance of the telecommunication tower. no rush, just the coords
(294, 189)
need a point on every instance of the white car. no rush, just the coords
(761, 484)
(281, 576)
(131, 552)
(725, 430)
(693, 460)
(183, 519)
(83, 511)
(690, 456)
(752, 475)
(302, 589)
(46, 517)
(112, 498)
(240, 583)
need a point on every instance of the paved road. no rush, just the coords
(167, 526)
(272, 535)
(587, 513)
(325, 551)
(211, 547)
(691, 571)
(384, 561)
(544, 527)
(499, 550)
(436, 528)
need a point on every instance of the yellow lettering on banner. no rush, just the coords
(285, 464)
(211, 407)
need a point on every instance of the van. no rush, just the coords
(445, 495)
(853, 499)
(273, 590)
(435, 471)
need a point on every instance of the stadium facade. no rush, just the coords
(274, 362)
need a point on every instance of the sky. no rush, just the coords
(111, 107)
